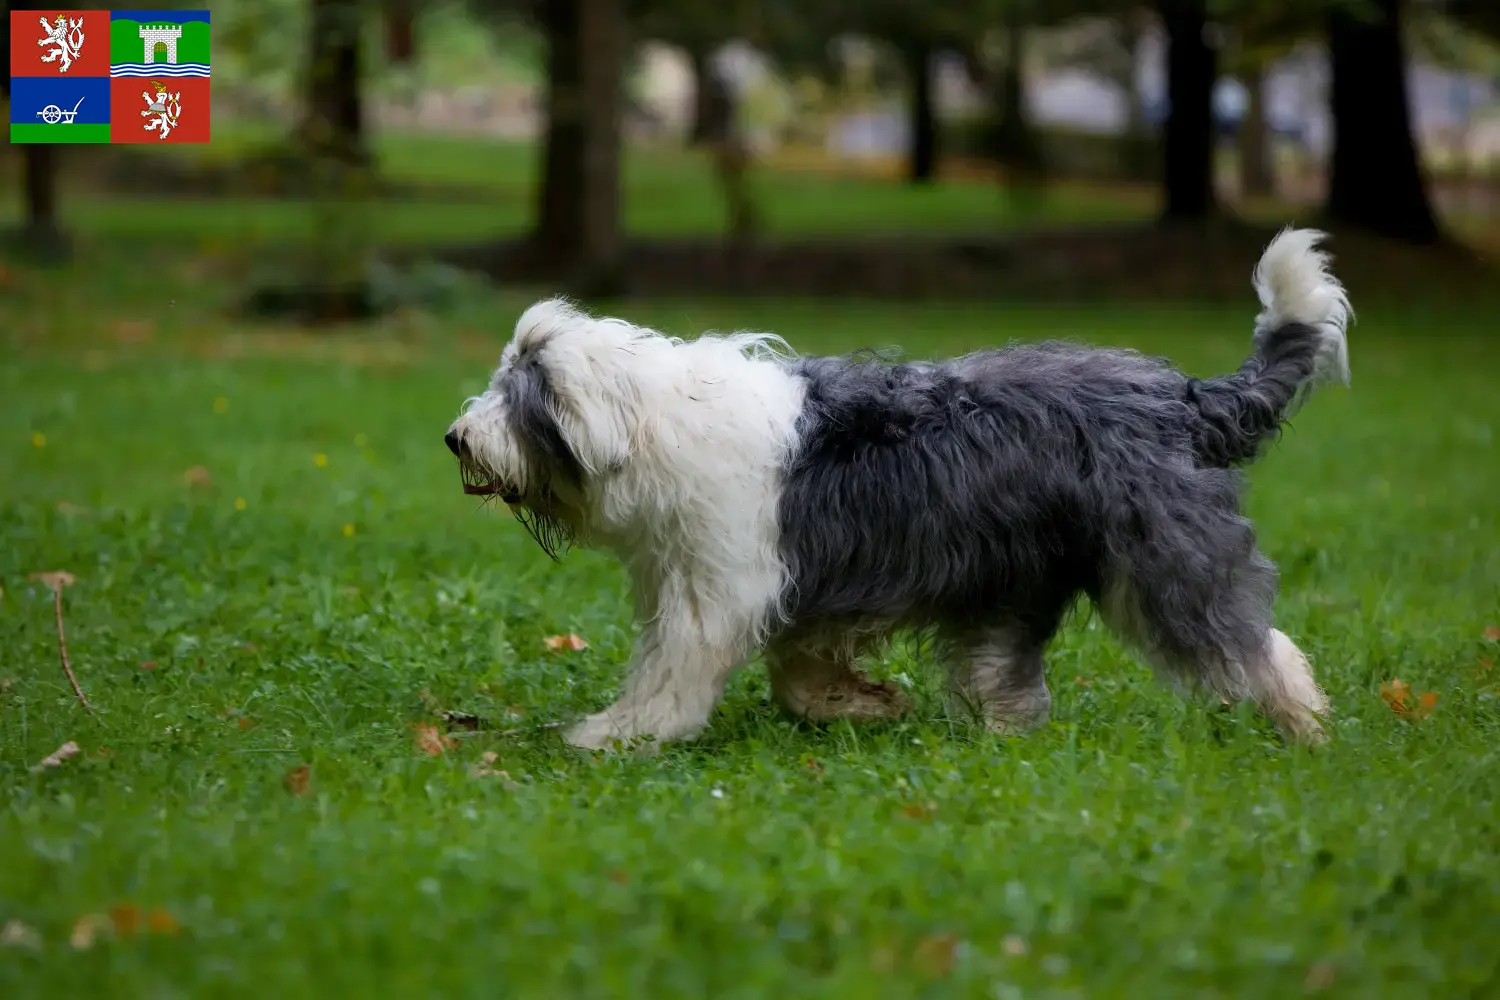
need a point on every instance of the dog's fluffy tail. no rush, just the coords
(1299, 343)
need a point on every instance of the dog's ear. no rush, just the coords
(535, 414)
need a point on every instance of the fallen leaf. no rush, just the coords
(132, 332)
(486, 768)
(18, 935)
(1081, 680)
(159, 921)
(936, 954)
(197, 476)
(89, 928)
(1395, 694)
(618, 877)
(813, 766)
(917, 810)
(1319, 977)
(125, 918)
(67, 751)
(1013, 945)
(1492, 631)
(297, 779)
(245, 722)
(430, 740)
(148, 664)
(1398, 695)
(55, 580)
(561, 642)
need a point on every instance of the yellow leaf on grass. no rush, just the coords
(90, 928)
(557, 643)
(159, 921)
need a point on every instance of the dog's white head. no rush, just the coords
(561, 411)
(596, 431)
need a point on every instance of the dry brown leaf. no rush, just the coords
(486, 768)
(132, 332)
(18, 935)
(55, 579)
(936, 954)
(89, 928)
(430, 740)
(67, 751)
(245, 722)
(297, 779)
(813, 767)
(1492, 631)
(557, 643)
(197, 476)
(918, 810)
(1398, 695)
(1320, 976)
(159, 921)
(148, 664)
(125, 918)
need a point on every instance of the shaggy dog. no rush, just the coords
(808, 507)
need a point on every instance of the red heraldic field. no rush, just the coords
(59, 76)
(136, 107)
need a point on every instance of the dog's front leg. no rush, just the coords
(676, 678)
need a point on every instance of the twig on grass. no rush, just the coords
(57, 581)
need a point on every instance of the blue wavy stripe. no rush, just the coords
(158, 69)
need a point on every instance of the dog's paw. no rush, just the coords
(603, 731)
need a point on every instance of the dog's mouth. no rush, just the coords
(479, 483)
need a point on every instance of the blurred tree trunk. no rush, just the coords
(922, 113)
(40, 165)
(334, 128)
(41, 230)
(703, 96)
(1015, 143)
(1188, 175)
(578, 220)
(1375, 180)
(1257, 178)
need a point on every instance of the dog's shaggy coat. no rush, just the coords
(809, 507)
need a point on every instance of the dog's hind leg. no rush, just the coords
(814, 677)
(997, 674)
(1194, 594)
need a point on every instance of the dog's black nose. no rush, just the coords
(451, 440)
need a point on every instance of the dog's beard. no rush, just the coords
(549, 532)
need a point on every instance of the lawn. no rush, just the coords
(275, 570)
(477, 189)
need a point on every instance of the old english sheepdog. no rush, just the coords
(809, 507)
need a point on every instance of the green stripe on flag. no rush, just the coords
(42, 132)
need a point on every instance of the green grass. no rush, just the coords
(478, 190)
(1139, 846)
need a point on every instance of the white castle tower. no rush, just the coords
(167, 34)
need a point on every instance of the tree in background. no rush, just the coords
(578, 224)
(1188, 139)
(333, 127)
(1375, 179)
(41, 233)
